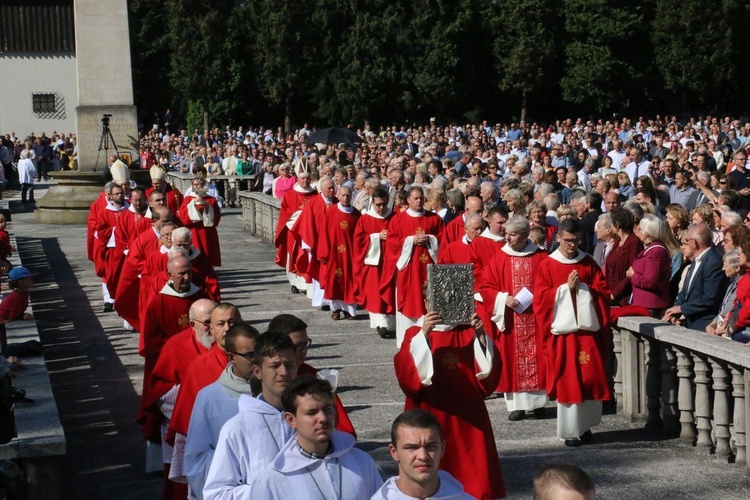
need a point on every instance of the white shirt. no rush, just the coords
(696, 265)
(449, 489)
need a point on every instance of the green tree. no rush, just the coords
(603, 52)
(698, 49)
(525, 46)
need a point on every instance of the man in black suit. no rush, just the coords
(701, 295)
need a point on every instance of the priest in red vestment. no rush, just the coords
(128, 289)
(106, 253)
(309, 228)
(201, 213)
(288, 246)
(168, 373)
(448, 371)
(336, 253)
(204, 370)
(369, 249)
(456, 228)
(172, 197)
(520, 343)
(458, 252)
(204, 275)
(484, 247)
(166, 315)
(94, 211)
(571, 298)
(412, 243)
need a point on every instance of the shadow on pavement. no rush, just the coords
(94, 395)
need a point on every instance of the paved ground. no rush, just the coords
(96, 374)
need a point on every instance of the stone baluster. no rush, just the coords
(685, 397)
(669, 407)
(653, 385)
(739, 420)
(617, 350)
(702, 403)
(251, 216)
(721, 410)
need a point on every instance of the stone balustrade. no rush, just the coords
(685, 383)
(260, 214)
(182, 182)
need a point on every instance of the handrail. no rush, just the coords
(684, 382)
(260, 214)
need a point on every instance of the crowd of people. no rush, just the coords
(567, 226)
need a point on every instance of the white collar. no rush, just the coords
(699, 258)
(490, 236)
(558, 256)
(465, 240)
(375, 215)
(168, 290)
(529, 249)
(132, 209)
(300, 189)
(413, 213)
(113, 208)
(346, 210)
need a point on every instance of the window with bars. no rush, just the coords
(43, 103)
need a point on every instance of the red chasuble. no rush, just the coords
(94, 211)
(342, 419)
(455, 396)
(288, 248)
(133, 225)
(202, 224)
(412, 259)
(172, 198)
(482, 250)
(308, 229)
(520, 343)
(109, 218)
(154, 275)
(176, 355)
(455, 253)
(204, 370)
(336, 249)
(575, 360)
(128, 289)
(369, 251)
(454, 230)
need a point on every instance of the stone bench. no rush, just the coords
(39, 444)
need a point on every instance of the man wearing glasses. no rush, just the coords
(570, 301)
(175, 357)
(217, 403)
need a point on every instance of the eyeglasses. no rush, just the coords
(723, 182)
(571, 241)
(684, 243)
(303, 346)
(249, 355)
(206, 322)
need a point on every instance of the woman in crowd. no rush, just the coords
(704, 214)
(678, 219)
(284, 182)
(650, 272)
(516, 202)
(732, 237)
(537, 218)
(625, 249)
(734, 272)
(626, 189)
(268, 177)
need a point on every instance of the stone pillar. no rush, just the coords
(685, 396)
(740, 436)
(105, 86)
(721, 410)
(702, 403)
(669, 406)
(617, 352)
(105, 83)
(653, 385)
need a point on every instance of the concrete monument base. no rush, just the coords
(68, 202)
(124, 127)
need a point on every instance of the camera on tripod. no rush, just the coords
(105, 119)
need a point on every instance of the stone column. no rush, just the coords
(740, 436)
(105, 83)
(702, 403)
(685, 396)
(721, 409)
(105, 86)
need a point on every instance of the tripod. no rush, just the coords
(106, 142)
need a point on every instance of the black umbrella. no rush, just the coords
(333, 135)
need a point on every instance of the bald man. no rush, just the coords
(458, 252)
(455, 229)
(158, 399)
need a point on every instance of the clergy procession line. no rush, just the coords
(248, 428)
